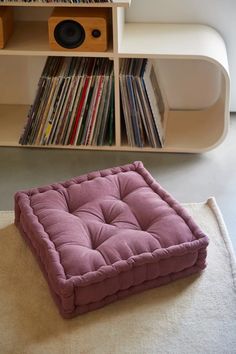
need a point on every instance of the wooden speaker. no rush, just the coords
(79, 29)
(6, 24)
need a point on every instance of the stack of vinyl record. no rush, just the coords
(62, 1)
(141, 102)
(74, 104)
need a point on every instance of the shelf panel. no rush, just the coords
(186, 131)
(72, 147)
(116, 3)
(31, 38)
(173, 40)
(12, 119)
(196, 131)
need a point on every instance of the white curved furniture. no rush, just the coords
(218, 14)
(191, 61)
(193, 70)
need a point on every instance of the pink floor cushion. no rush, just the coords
(106, 235)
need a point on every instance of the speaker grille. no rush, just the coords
(69, 34)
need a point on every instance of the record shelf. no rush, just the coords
(191, 60)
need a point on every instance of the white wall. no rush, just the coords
(220, 14)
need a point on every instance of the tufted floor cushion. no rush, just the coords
(108, 234)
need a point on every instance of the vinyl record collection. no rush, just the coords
(74, 104)
(61, 1)
(142, 103)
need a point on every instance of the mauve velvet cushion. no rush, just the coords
(108, 234)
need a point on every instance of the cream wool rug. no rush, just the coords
(192, 315)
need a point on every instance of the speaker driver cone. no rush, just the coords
(69, 34)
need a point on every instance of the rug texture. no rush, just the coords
(193, 315)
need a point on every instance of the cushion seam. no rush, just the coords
(48, 237)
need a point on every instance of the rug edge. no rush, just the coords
(212, 204)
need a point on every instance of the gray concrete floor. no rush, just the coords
(188, 177)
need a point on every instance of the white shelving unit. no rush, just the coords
(191, 61)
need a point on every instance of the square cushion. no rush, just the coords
(108, 234)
